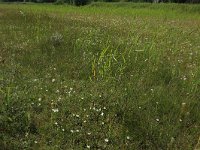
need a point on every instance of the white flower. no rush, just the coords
(88, 146)
(59, 99)
(35, 80)
(157, 120)
(106, 140)
(72, 131)
(128, 137)
(39, 99)
(55, 110)
(63, 130)
(77, 131)
(56, 123)
(26, 134)
(21, 12)
(102, 114)
(89, 133)
(35, 142)
(53, 80)
(183, 104)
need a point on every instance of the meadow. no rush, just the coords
(117, 76)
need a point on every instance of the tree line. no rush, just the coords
(84, 2)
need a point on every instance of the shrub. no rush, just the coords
(81, 2)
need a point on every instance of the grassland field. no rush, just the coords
(107, 76)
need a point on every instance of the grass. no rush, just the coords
(95, 77)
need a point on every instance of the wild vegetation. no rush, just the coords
(85, 2)
(109, 77)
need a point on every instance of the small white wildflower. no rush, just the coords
(106, 140)
(184, 78)
(180, 120)
(53, 80)
(70, 89)
(102, 123)
(59, 99)
(157, 120)
(55, 110)
(128, 137)
(89, 133)
(57, 91)
(84, 109)
(56, 123)
(84, 121)
(102, 114)
(72, 131)
(35, 142)
(88, 146)
(82, 98)
(139, 107)
(183, 104)
(100, 96)
(63, 130)
(39, 104)
(77, 130)
(104, 108)
(39, 99)
(77, 116)
(26, 134)
(98, 110)
(21, 12)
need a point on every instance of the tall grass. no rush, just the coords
(99, 78)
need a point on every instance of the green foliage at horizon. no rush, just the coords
(85, 2)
